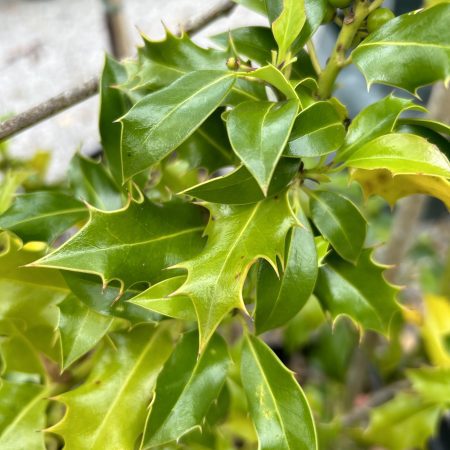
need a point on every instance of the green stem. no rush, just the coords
(313, 56)
(352, 23)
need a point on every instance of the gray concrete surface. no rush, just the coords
(47, 46)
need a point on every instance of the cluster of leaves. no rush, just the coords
(213, 211)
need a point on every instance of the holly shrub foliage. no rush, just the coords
(135, 295)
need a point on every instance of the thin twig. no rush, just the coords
(67, 99)
(376, 399)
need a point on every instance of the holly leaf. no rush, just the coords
(393, 187)
(273, 395)
(107, 300)
(22, 415)
(434, 125)
(258, 133)
(270, 74)
(288, 26)
(432, 384)
(315, 12)
(80, 329)
(318, 130)
(208, 147)
(240, 187)
(340, 222)
(254, 42)
(404, 422)
(237, 237)
(435, 329)
(92, 183)
(170, 233)
(147, 129)
(108, 410)
(160, 63)
(185, 390)
(28, 315)
(42, 216)
(157, 299)
(279, 299)
(401, 153)
(358, 291)
(374, 121)
(113, 104)
(397, 53)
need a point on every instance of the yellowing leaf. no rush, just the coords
(237, 237)
(393, 187)
(436, 326)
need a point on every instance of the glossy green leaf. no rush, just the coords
(288, 26)
(108, 410)
(374, 121)
(401, 154)
(273, 395)
(237, 237)
(434, 125)
(258, 133)
(185, 390)
(240, 187)
(108, 300)
(147, 129)
(255, 42)
(404, 422)
(393, 187)
(398, 52)
(432, 136)
(315, 12)
(92, 183)
(113, 104)
(318, 130)
(270, 74)
(358, 291)
(157, 299)
(170, 233)
(42, 216)
(22, 416)
(80, 328)
(279, 299)
(160, 63)
(208, 147)
(340, 222)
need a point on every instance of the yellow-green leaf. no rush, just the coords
(393, 187)
(108, 410)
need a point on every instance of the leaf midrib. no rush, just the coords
(124, 386)
(263, 374)
(21, 414)
(51, 214)
(335, 219)
(133, 244)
